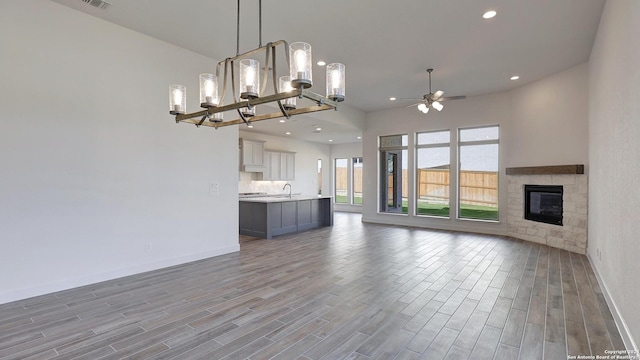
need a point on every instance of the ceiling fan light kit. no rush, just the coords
(251, 89)
(432, 100)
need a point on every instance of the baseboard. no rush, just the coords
(66, 284)
(628, 340)
(470, 226)
(347, 208)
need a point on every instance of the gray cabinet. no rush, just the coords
(282, 217)
(273, 218)
(309, 214)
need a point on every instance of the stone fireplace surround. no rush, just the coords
(572, 236)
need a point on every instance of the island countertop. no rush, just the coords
(282, 198)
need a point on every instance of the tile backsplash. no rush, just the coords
(248, 183)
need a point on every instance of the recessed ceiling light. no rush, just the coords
(330, 140)
(392, 98)
(288, 133)
(321, 63)
(283, 120)
(318, 129)
(359, 137)
(489, 14)
(250, 126)
(515, 77)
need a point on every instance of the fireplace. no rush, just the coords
(543, 203)
(573, 181)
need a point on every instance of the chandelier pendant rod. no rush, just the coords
(260, 23)
(238, 30)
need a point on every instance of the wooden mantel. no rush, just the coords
(547, 170)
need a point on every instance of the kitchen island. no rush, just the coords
(268, 216)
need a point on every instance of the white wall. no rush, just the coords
(524, 114)
(97, 179)
(548, 122)
(306, 166)
(614, 153)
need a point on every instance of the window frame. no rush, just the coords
(352, 192)
(335, 181)
(382, 166)
(459, 145)
(417, 147)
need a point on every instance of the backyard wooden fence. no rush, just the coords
(342, 179)
(477, 187)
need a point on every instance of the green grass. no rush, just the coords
(466, 211)
(343, 199)
(340, 199)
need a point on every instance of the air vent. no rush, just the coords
(97, 3)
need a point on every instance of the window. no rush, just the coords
(356, 189)
(393, 174)
(433, 154)
(341, 181)
(478, 173)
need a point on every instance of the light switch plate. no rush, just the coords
(214, 188)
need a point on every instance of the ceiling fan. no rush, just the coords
(433, 100)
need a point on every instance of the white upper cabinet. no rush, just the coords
(287, 166)
(278, 165)
(252, 158)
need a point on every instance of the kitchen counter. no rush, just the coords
(268, 216)
(281, 198)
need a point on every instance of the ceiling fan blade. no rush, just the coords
(437, 95)
(459, 97)
(414, 99)
(418, 103)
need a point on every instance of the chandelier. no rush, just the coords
(248, 88)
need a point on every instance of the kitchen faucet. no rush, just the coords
(285, 186)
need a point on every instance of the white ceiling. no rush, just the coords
(386, 45)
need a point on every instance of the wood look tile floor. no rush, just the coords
(352, 291)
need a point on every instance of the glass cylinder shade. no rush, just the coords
(249, 78)
(208, 90)
(248, 112)
(285, 86)
(217, 117)
(300, 65)
(177, 99)
(335, 81)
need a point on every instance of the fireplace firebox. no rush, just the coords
(543, 203)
